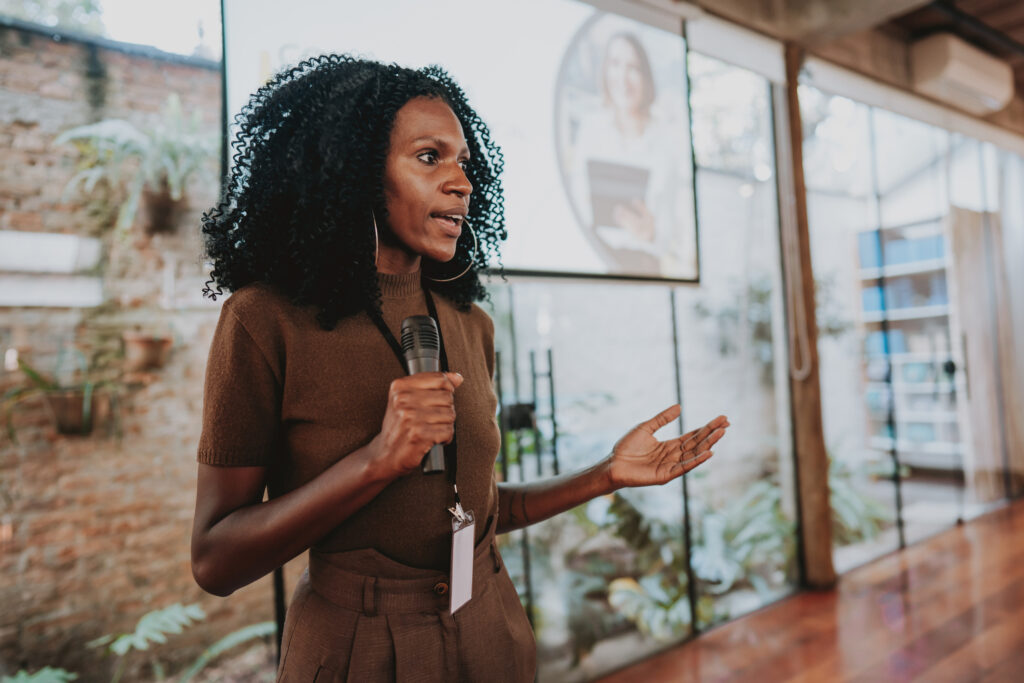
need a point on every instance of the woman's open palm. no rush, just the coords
(640, 459)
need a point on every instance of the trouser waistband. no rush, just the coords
(373, 595)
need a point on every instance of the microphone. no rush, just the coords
(421, 346)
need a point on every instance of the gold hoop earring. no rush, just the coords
(472, 255)
(376, 241)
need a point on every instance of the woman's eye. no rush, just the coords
(428, 157)
(464, 164)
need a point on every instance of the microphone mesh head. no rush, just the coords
(420, 332)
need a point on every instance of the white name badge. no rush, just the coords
(463, 532)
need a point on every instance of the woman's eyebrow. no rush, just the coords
(440, 143)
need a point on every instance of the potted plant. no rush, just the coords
(153, 165)
(75, 406)
(146, 349)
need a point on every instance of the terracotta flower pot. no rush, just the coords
(68, 407)
(160, 212)
(145, 351)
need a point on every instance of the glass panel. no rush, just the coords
(731, 119)
(966, 180)
(911, 168)
(836, 129)
(930, 408)
(899, 306)
(733, 350)
(845, 249)
(734, 362)
(991, 159)
(608, 580)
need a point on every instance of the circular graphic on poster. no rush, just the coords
(623, 143)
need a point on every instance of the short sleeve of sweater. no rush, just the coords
(241, 397)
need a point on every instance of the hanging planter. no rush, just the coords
(145, 351)
(161, 212)
(75, 411)
(74, 408)
(153, 166)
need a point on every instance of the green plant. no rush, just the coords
(743, 542)
(160, 159)
(659, 610)
(855, 516)
(153, 628)
(45, 675)
(260, 630)
(62, 392)
(739, 545)
(656, 596)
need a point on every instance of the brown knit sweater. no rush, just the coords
(284, 394)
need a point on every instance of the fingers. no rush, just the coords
(425, 389)
(684, 466)
(449, 381)
(697, 435)
(703, 440)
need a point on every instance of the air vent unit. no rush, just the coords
(951, 70)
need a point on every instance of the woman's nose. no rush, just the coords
(458, 183)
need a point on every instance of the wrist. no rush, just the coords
(378, 467)
(605, 477)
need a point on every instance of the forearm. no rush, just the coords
(253, 540)
(520, 505)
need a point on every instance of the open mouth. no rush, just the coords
(451, 222)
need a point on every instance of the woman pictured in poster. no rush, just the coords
(631, 168)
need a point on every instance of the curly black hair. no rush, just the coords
(298, 206)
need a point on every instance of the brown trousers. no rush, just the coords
(359, 616)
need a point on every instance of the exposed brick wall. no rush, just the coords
(94, 531)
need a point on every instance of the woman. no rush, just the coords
(631, 170)
(349, 209)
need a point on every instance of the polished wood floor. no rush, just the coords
(948, 609)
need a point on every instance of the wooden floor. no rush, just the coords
(948, 609)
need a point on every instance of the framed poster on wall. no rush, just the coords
(589, 107)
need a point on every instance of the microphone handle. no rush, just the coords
(433, 461)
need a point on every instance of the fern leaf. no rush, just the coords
(226, 643)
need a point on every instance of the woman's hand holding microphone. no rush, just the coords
(420, 413)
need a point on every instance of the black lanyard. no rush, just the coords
(451, 461)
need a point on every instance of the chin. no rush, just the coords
(441, 256)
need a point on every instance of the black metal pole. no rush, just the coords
(554, 421)
(224, 144)
(691, 579)
(279, 608)
(503, 453)
(533, 401)
(525, 539)
(897, 477)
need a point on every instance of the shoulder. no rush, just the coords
(259, 305)
(266, 316)
(255, 300)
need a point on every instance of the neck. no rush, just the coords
(396, 261)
